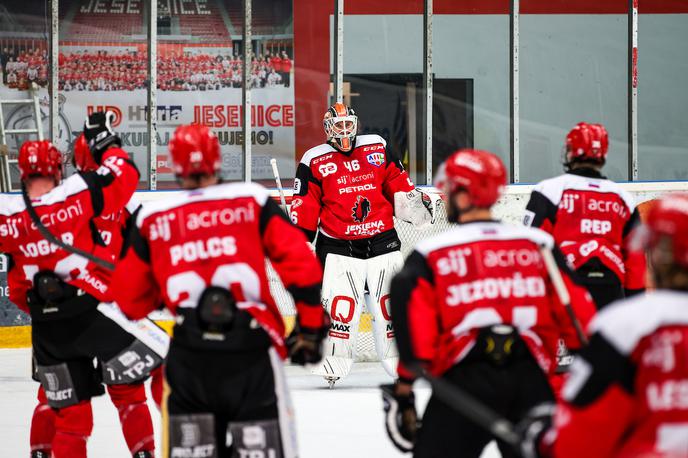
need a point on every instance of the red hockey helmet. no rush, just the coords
(83, 159)
(587, 142)
(40, 158)
(341, 125)
(668, 217)
(480, 173)
(195, 151)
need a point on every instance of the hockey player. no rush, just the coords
(475, 306)
(590, 218)
(129, 399)
(61, 289)
(347, 190)
(627, 394)
(202, 254)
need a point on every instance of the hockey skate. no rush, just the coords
(330, 381)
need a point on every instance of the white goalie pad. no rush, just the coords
(409, 207)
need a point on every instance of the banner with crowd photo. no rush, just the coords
(272, 114)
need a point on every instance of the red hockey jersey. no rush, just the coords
(589, 217)
(66, 212)
(218, 236)
(476, 275)
(627, 393)
(112, 229)
(348, 196)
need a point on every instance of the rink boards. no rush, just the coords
(15, 332)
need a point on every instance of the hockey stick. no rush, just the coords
(562, 291)
(275, 172)
(55, 241)
(477, 412)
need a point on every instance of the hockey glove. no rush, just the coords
(401, 419)
(99, 134)
(305, 345)
(532, 428)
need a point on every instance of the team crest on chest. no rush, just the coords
(361, 209)
(376, 159)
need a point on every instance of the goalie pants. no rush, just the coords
(228, 389)
(510, 390)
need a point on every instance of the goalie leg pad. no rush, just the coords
(255, 439)
(381, 269)
(343, 286)
(192, 435)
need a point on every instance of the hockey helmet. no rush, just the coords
(587, 142)
(341, 125)
(40, 158)
(83, 159)
(479, 173)
(195, 151)
(667, 219)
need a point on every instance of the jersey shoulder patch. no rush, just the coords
(624, 323)
(316, 151)
(370, 139)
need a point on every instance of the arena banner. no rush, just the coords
(272, 115)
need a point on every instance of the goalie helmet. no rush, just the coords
(479, 173)
(341, 125)
(83, 159)
(195, 151)
(587, 142)
(667, 218)
(40, 158)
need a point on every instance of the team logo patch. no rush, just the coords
(376, 159)
(361, 209)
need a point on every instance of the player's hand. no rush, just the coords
(401, 418)
(99, 134)
(532, 428)
(305, 345)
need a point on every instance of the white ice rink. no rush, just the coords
(342, 423)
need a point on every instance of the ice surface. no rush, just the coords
(342, 423)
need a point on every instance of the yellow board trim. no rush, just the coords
(20, 336)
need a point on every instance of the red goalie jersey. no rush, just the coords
(476, 275)
(348, 196)
(218, 236)
(627, 393)
(589, 217)
(66, 212)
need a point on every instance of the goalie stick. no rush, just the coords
(562, 292)
(55, 241)
(278, 182)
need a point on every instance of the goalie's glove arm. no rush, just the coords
(414, 316)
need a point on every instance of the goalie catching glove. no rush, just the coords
(305, 345)
(401, 418)
(415, 207)
(99, 134)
